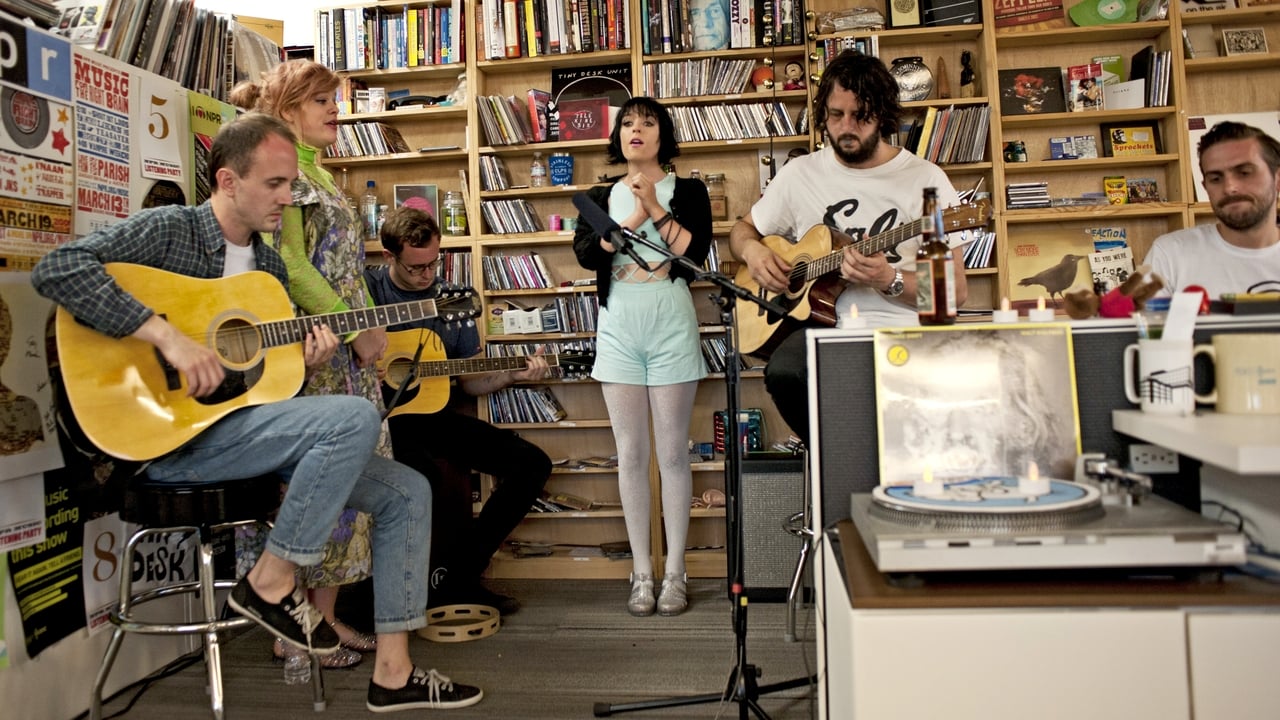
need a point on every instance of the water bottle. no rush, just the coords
(537, 171)
(369, 212)
(297, 668)
(382, 218)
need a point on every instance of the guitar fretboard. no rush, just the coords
(870, 246)
(436, 368)
(294, 330)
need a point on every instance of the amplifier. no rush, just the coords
(772, 491)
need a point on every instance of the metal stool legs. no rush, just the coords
(207, 627)
(800, 524)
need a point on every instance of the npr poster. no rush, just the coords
(36, 151)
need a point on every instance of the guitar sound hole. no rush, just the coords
(397, 371)
(799, 271)
(237, 342)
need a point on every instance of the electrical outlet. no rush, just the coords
(1152, 459)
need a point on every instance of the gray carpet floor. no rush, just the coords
(572, 645)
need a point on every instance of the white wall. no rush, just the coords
(298, 15)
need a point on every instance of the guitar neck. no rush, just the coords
(470, 366)
(830, 262)
(294, 330)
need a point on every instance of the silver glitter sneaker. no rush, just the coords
(674, 596)
(641, 601)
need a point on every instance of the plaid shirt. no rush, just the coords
(181, 239)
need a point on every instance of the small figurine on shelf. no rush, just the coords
(459, 94)
(794, 74)
(967, 76)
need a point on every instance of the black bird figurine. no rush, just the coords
(1058, 278)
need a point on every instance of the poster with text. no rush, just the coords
(21, 512)
(36, 126)
(207, 117)
(162, 142)
(46, 576)
(102, 89)
(160, 559)
(4, 647)
(28, 426)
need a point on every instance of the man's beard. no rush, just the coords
(864, 152)
(1242, 218)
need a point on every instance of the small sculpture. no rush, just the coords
(967, 76)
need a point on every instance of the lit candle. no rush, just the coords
(854, 320)
(1032, 484)
(1040, 313)
(1005, 314)
(925, 485)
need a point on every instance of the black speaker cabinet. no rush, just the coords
(772, 491)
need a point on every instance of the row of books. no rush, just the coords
(533, 28)
(515, 272)
(826, 50)
(572, 314)
(195, 47)
(1027, 195)
(702, 76)
(457, 268)
(363, 139)
(714, 353)
(525, 405)
(504, 120)
(493, 173)
(977, 254)
(950, 135)
(504, 217)
(677, 26)
(731, 122)
(1153, 66)
(555, 347)
(381, 38)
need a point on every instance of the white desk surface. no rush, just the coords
(1244, 444)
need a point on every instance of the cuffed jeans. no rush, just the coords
(322, 447)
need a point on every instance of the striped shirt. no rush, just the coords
(179, 238)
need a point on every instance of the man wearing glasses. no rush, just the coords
(448, 446)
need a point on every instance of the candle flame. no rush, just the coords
(1033, 471)
(928, 474)
(1040, 303)
(853, 312)
(1004, 304)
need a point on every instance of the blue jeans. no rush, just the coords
(322, 446)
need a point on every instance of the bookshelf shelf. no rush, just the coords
(1040, 167)
(447, 112)
(1086, 118)
(445, 70)
(1232, 16)
(1097, 36)
(1233, 63)
(1102, 212)
(780, 96)
(395, 158)
(545, 63)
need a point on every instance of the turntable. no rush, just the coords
(1106, 518)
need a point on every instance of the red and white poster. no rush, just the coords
(102, 89)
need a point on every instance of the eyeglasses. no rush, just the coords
(416, 270)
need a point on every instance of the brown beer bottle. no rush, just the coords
(935, 272)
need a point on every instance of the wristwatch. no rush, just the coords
(896, 287)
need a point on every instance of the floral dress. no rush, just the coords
(323, 247)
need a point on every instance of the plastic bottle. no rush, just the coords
(350, 199)
(382, 218)
(297, 668)
(369, 211)
(716, 193)
(537, 171)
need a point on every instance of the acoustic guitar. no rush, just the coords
(428, 390)
(134, 405)
(813, 283)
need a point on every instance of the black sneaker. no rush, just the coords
(472, 594)
(293, 619)
(427, 690)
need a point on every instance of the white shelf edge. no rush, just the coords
(1244, 444)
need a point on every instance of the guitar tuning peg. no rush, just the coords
(808, 14)
(767, 61)
(813, 57)
(815, 79)
(766, 160)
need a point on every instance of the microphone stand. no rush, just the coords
(742, 687)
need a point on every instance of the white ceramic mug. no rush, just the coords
(1246, 373)
(1165, 377)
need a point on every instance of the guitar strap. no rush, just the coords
(408, 379)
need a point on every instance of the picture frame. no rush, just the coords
(1244, 41)
(422, 197)
(1131, 138)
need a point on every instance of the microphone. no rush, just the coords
(605, 227)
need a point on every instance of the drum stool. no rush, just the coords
(205, 508)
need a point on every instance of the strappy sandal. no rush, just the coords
(360, 642)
